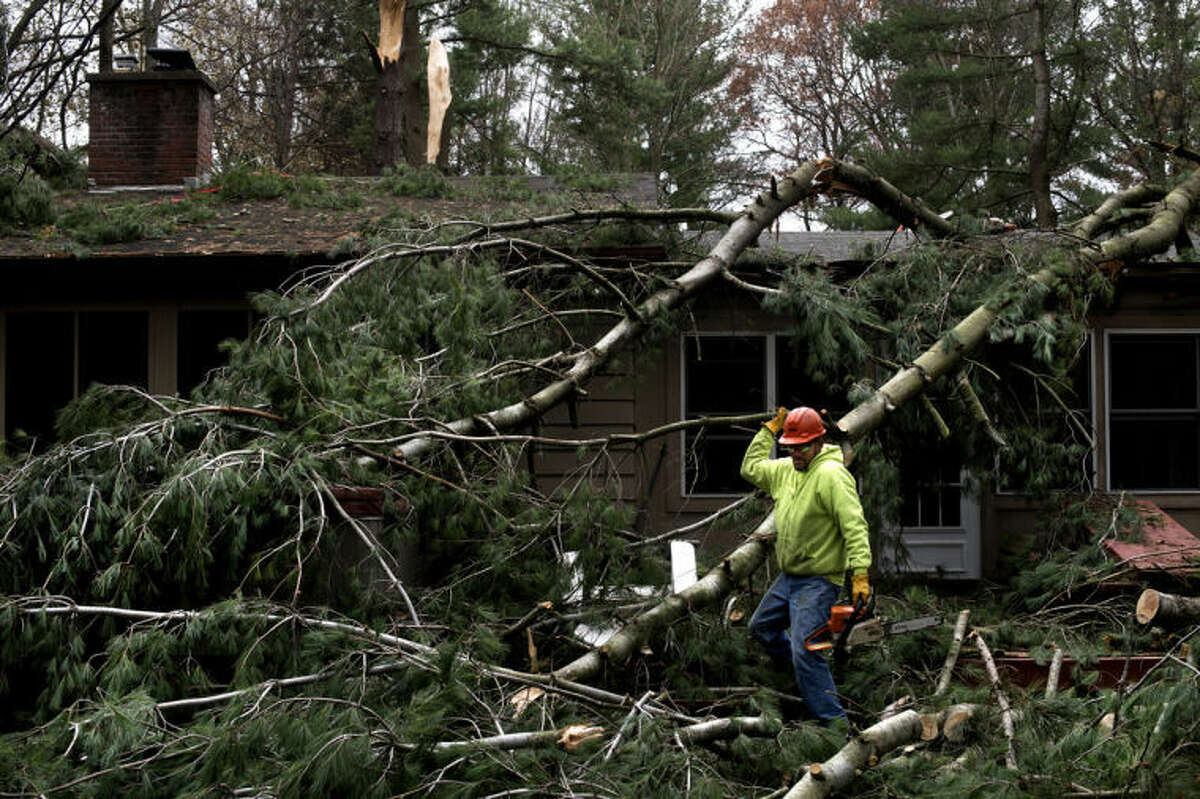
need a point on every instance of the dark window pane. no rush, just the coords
(929, 507)
(1153, 372)
(113, 348)
(725, 374)
(200, 334)
(714, 463)
(39, 354)
(929, 488)
(1154, 453)
(951, 510)
(793, 384)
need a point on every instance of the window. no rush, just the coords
(52, 356)
(113, 348)
(200, 336)
(934, 503)
(39, 349)
(727, 375)
(723, 376)
(1061, 423)
(1154, 411)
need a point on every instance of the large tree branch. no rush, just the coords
(744, 231)
(822, 779)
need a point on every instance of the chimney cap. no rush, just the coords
(170, 58)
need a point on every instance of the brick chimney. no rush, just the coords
(150, 128)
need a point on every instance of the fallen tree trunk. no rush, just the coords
(727, 728)
(822, 779)
(743, 232)
(1006, 715)
(1155, 607)
(718, 582)
(960, 631)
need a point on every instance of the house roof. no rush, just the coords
(838, 246)
(277, 228)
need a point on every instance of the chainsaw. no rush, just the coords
(857, 625)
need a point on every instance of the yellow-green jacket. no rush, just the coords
(819, 523)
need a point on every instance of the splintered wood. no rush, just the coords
(391, 31)
(439, 98)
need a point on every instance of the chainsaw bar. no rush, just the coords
(875, 629)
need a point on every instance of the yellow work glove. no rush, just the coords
(776, 424)
(860, 588)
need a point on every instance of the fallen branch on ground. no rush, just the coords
(822, 779)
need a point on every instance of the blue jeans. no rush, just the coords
(793, 607)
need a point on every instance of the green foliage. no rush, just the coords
(639, 86)
(962, 99)
(833, 329)
(489, 85)
(403, 180)
(25, 200)
(29, 174)
(241, 182)
(849, 217)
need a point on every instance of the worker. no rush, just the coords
(820, 535)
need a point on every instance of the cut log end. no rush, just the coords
(929, 726)
(1147, 606)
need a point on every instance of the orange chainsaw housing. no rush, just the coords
(838, 615)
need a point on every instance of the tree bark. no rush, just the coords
(960, 631)
(151, 21)
(1039, 133)
(399, 122)
(1006, 716)
(1055, 672)
(863, 751)
(728, 728)
(286, 75)
(1156, 607)
(108, 13)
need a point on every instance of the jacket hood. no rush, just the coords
(829, 452)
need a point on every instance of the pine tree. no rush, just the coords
(967, 106)
(637, 89)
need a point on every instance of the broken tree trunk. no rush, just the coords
(729, 727)
(1155, 607)
(399, 115)
(391, 31)
(822, 779)
(438, 74)
(1055, 672)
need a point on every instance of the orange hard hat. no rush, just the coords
(801, 425)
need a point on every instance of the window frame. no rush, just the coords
(1093, 417)
(1193, 332)
(769, 391)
